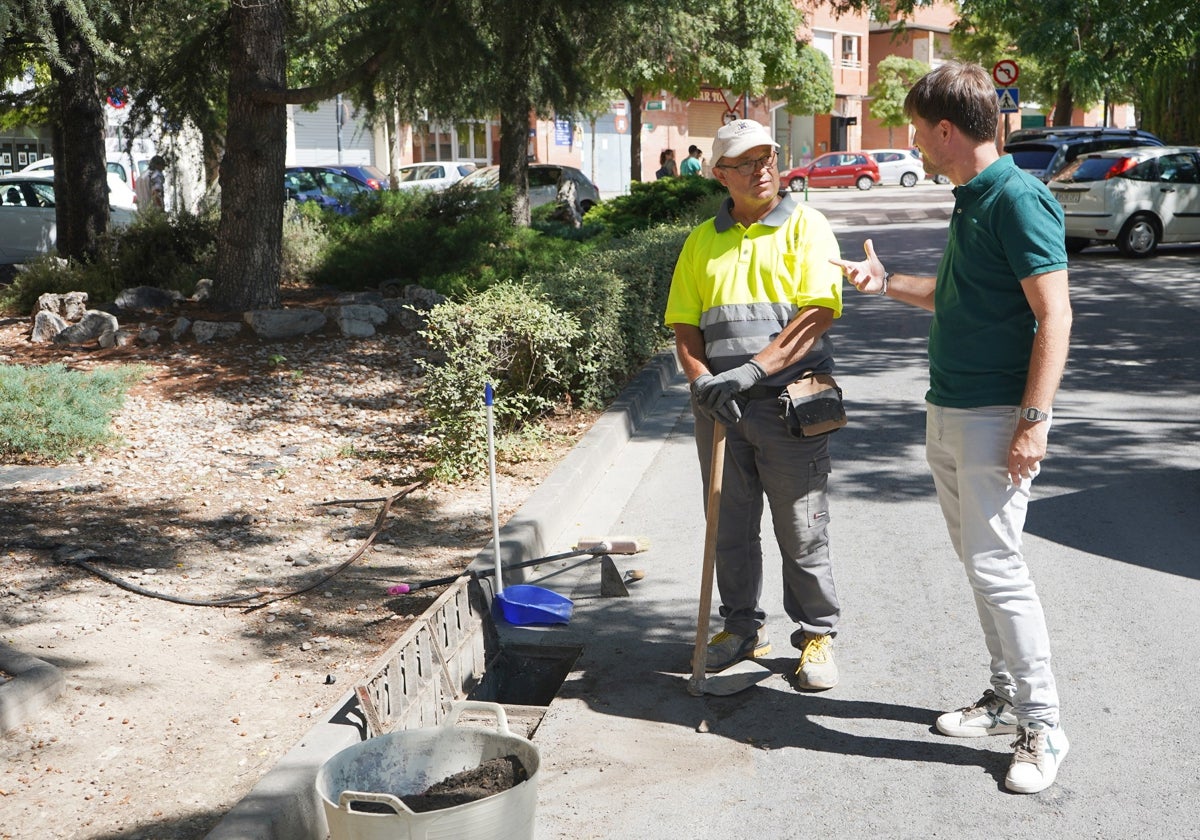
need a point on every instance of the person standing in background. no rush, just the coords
(691, 164)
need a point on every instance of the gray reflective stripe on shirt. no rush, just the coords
(735, 332)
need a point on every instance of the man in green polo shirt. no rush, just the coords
(752, 297)
(997, 348)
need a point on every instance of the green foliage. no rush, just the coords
(166, 251)
(305, 241)
(1170, 100)
(649, 203)
(508, 335)
(457, 241)
(894, 77)
(809, 89)
(618, 294)
(51, 413)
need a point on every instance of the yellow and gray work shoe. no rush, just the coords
(725, 649)
(817, 671)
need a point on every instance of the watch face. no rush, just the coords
(1034, 415)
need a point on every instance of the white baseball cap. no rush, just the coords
(739, 137)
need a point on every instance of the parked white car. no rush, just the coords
(120, 182)
(899, 166)
(1135, 197)
(433, 175)
(28, 227)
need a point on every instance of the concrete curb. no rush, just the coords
(284, 804)
(34, 684)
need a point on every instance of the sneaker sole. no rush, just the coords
(975, 731)
(757, 653)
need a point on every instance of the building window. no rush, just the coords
(850, 56)
(461, 141)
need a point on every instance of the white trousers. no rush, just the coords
(967, 450)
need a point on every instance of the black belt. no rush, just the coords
(763, 392)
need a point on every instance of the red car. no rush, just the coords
(836, 169)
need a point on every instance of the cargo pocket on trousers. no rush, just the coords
(818, 497)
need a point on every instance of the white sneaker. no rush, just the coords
(991, 714)
(1038, 751)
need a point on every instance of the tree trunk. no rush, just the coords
(637, 99)
(1064, 105)
(250, 236)
(81, 205)
(514, 162)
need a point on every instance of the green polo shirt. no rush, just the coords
(1006, 226)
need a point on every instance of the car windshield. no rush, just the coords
(1037, 157)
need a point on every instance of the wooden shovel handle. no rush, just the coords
(716, 474)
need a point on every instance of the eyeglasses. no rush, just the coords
(750, 167)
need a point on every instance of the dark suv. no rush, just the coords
(1043, 152)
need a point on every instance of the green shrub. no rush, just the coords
(651, 203)
(509, 335)
(305, 240)
(50, 413)
(618, 293)
(167, 251)
(455, 241)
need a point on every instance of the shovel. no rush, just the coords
(744, 674)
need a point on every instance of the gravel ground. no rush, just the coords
(249, 470)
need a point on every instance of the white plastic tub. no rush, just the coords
(382, 769)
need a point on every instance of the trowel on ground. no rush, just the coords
(744, 674)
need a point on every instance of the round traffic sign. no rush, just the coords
(1005, 72)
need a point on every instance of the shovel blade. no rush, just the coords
(735, 678)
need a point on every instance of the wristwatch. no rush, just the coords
(1034, 415)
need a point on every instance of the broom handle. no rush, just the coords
(488, 398)
(716, 475)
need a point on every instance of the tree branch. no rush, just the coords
(327, 90)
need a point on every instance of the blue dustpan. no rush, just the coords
(525, 604)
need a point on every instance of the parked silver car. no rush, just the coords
(28, 228)
(1135, 198)
(545, 180)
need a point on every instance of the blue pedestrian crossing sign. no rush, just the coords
(1010, 100)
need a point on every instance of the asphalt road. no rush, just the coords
(1111, 539)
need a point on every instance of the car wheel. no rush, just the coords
(1139, 236)
(940, 179)
(908, 179)
(585, 206)
(796, 185)
(864, 182)
(1075, 244)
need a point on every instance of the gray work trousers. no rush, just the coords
(761, 458)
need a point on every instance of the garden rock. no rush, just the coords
(203, 290)
(147, 297)
(179, 328)
(93, 325)
(72, 305)
(207, 331)
(357, 320)
(46, 325)
(284, 323)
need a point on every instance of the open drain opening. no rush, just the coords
(526, 675)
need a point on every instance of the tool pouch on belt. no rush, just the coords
(812, 405)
